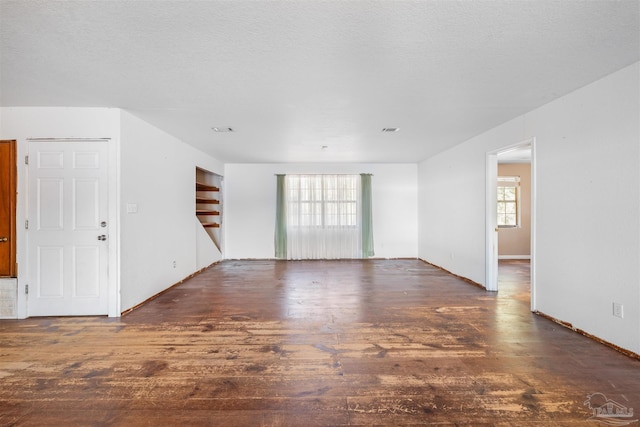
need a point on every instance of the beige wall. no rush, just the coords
(513, 242)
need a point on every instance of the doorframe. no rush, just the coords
(491, 234)
(113, 191)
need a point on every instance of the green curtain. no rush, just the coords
(367, 218)
(281, 219)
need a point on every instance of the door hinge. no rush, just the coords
(26, 224)
(26, 159)
(26, 289)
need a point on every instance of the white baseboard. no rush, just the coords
(514, 256)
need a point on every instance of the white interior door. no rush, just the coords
(68, 230)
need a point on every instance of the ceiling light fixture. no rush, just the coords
(222, 129)
(390, 129)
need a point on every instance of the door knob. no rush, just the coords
(3, 239)
(102, 237)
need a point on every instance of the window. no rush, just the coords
(322, 201)
(508, 201)
(323, 217)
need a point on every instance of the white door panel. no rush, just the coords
(68, 202)
(49, 274)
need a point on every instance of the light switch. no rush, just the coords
(132, 208)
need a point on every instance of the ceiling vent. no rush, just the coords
(390, 129)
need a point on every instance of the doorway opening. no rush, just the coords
(510, 211)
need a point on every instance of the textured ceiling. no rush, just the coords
(293, 76)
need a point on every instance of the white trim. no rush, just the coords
(68, 139)
(491, 237)
(114, 308)
(491, 223)
(533, 226)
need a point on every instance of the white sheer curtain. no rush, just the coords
(322, 216)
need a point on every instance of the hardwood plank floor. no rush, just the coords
(272, 343)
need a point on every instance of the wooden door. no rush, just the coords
(8, 266)
(68, 230)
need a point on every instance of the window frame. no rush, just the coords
(323, 202)
(508, 182)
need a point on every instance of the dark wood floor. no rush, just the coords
(268, 343)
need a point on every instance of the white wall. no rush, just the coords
(20, 123)
(588, 205)
(158, 177)
(147, 167)
(250, 206)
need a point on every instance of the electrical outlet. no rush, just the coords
(618, 310)
(174, 264)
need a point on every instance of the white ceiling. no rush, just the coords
(293, 76)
